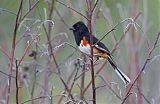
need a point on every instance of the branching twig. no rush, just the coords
(13, 50)
(41, 97)
(113, 50)
(145, 98)
(34, 5)
(91, 41)
(105, 35)
(4, 52)
(122, 36)
(8, 11)
(107, 84)
(143, 68)
(94, 6)
(61, 18)
(7, 74)
(72, 9)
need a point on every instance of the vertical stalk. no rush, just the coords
(12, 52)
(17, 87)
(91, 42)
(135, 57)
(83, 78)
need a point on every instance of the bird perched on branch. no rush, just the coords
(82, 38)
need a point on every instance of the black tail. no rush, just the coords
(124, 77)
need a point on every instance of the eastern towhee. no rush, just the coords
(82, 39)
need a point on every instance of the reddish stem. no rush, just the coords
(135, 57)
(142, 69)
(12, 52)
(90, 11)
(83, 78)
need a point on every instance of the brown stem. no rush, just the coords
(83, 78)
(17, 83)
(37, 98)
(91, 41)
(113, 50)
(112, 90)
(73, 9)
(142, 69)
(135, 56)
(26, 14)
(12, 52)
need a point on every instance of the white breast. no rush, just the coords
(85, 49)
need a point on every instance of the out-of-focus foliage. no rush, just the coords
(40, 78)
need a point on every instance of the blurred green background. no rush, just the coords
(37, 77)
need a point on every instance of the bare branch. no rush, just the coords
(73, 9)
(107, 84)
(143, 68)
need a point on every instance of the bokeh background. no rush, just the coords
(49, 21)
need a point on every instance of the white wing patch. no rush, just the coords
(101, 48)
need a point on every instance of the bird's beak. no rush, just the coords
(71, 28)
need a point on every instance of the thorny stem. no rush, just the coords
(142, 69)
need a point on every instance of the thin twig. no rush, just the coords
(7, 74)
(113, 50)
(143, 68)
(72, 9)
(68, 81)
(13, 51)
(51, 51)
(92, 63)
(145, 98)
(34, 5)
(123, 34)
(4, 52)
(61, 18)
(74, 79)
(82, 77)
(94, 6)
(105, 35)
(17, 88)
(25, 52)
(8, 11)
(107, 84)
(37, 98)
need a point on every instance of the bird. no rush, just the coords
(82, 39)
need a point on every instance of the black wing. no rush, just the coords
(98, 44)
